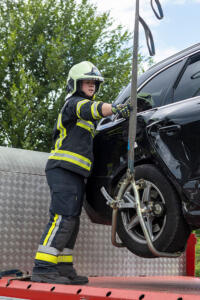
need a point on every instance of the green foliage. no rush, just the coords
(40, 41)
(197, 254)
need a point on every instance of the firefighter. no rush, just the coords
(69, 163)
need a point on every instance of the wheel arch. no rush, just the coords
(117, 176)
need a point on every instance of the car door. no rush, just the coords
(188, 87)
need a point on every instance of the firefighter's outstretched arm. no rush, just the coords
(123, 110)
(95, 110)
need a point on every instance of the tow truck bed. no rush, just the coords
(134, 288)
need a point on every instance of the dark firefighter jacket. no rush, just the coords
(73, 135)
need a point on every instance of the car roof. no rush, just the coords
(125, 93)
(177, 55)
(168, 61)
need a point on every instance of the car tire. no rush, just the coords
(169, 229)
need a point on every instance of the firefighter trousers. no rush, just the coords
(59, 237)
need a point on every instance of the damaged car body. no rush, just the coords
(166, 158)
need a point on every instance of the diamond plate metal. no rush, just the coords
(24, 204)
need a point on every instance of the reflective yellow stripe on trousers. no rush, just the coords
(54, 259)
(50, 254)
(65, 256)
(53, 255)
(52, 230)
(46, 257)
(65, 259)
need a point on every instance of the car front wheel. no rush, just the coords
(163, 215)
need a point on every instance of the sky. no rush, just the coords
(179, 29)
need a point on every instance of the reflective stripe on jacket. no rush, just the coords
(73, 135)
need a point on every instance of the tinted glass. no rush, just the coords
(189, 84)
(158, 86)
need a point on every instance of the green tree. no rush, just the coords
(197, 251)
(40, 41)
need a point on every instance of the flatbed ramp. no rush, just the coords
(134, 288)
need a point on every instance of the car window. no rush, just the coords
(159, 85)
(189, 84)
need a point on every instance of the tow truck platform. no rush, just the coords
(133, 288)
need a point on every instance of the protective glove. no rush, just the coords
(122, 109)
(144, 102)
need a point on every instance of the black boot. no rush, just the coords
(48, 274)
(67, 270)
(50, 278)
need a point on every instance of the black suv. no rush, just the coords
(167, 157)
